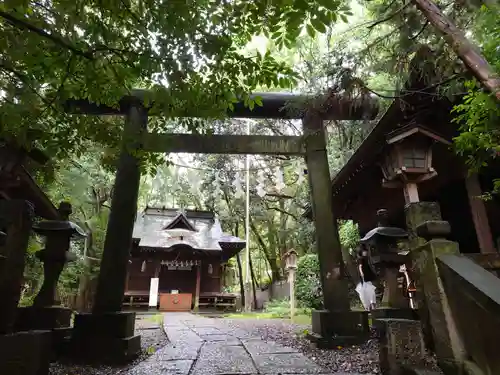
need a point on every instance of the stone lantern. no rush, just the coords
(56, 253)
(387, 258)
(46, 313)
(409, 159)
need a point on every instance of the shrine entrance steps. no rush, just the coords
(201, 345)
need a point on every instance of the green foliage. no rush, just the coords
(478, 114)
(308, 283)
(349, 235)
(191, 54)
(281, 309)
(478, 117)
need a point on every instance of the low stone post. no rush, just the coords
(46, 312)
(447, 343)
(417, 213)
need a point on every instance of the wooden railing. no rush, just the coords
(473, 293)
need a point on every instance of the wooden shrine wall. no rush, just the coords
(183, 281)
(138, 280)
(210, 282)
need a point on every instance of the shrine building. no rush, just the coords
(409, 157)
(178, 261)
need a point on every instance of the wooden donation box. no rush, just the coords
(175, 301)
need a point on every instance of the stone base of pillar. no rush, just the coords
(106, 338)
(394, 313)
(25, 353)
(331, 329)
(57, 319)
(42, 318)
(402, 348)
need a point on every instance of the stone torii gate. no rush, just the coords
(107, 333)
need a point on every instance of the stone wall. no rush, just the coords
(276, 291)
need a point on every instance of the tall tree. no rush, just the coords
(469, 53)
(192, 54)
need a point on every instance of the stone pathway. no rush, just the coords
(204, 346)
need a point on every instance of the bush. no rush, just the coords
(308, 284)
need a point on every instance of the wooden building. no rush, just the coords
(178, 260)
(362, 187)
(16, 181)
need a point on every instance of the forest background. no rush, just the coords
(56, 50)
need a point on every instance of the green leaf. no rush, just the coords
(318, 25)
(301, 4)
(329, 4)
(343, 17)
(310, 30)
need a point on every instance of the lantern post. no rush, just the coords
(291, 267)
(408, 161)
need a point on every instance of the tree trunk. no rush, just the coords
(254, 282)
(240, 274)
(465, 50)
(275, 270)
(240, 269)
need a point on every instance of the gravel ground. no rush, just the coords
(356, 359)
(152, 338)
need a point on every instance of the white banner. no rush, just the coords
(153, 292)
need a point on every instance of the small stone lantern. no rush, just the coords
(387, 257)
(54, 256)
(291, 267)
(46, 313)
(409, 159)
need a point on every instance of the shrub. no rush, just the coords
(308, 284)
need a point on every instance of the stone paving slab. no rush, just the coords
(258, 346)
(154, 367)
(179, 351)
(218, 359)
(206, 331)
(286, 363)
(228, 340)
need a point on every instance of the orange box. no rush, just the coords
(176, 302)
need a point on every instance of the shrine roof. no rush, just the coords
(163, 229)
(17, 182)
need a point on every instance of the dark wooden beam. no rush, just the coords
(224, 144)
(275, 105)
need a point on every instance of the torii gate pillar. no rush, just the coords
(336, 325)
